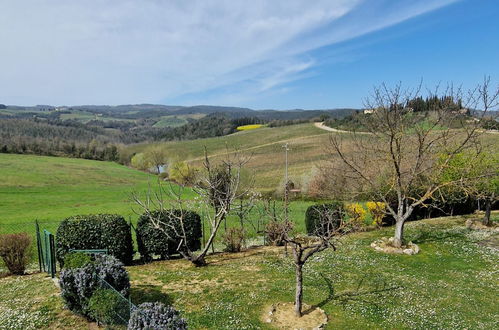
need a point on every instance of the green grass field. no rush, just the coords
(84, 117)
(451, 284)
(264, 145)
(176, 121)
(49, 189)
(308, 147)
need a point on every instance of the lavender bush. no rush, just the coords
(156, 316)
(79, 284)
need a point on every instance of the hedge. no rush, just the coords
(164, 242)
(95, 231)
(314, 216)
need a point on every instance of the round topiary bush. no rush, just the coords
(109, 308)
(320, 217)
(95, 231)
(165, 241)
(155, 316)
(79, 284)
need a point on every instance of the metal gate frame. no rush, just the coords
(46, 251)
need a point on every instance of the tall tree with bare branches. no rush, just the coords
(400, 157)
(218, 188)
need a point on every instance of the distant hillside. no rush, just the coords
(98, 131)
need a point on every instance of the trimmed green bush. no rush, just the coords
(108, 307)
(79, 284)
(76, 260)
(315, 215)
(95, 231)
(164, 242)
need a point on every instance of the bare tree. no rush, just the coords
(400, 157)
(156, 157)
(330, 227)
(218, 188)
(278, 226)
(243, 207)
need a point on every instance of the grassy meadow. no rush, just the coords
(51, 188)
(451, 284)
(307, 144)
(176, 120)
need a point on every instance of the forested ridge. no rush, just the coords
(98, 132)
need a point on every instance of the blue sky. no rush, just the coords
(260, 54)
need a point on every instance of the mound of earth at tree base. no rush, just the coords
(386, 245)
(282, 316)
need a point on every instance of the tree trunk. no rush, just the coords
(299, 289)
(488, 207)
(398, 239)
(199, 261)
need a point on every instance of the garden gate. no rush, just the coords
(46, 251)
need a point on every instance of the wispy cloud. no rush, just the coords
(130, 51)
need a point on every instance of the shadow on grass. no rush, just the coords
(220, 258)
(365, 295)
(148, 293)
(430, 235)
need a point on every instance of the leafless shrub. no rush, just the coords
(15, 252)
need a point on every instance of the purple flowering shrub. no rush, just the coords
(156, 316)
(79, 284)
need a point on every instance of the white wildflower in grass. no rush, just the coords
(14, 319)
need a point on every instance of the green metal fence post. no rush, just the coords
(39, 246)
(52, 256)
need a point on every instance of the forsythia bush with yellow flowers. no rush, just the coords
(357, 214)
(377, 210)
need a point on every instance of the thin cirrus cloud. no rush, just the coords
(115, 52)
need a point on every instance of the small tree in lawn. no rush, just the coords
(400, 157)
(217, 187)
(485, 168)
(329, 227)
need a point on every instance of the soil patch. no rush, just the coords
(282, 316)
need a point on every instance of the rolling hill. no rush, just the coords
(52, 188)
(265, 145)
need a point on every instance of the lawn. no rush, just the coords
(451, 284)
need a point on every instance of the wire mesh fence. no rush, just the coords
(115, 310)
(28, 227)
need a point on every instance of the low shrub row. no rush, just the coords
(158, 233)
